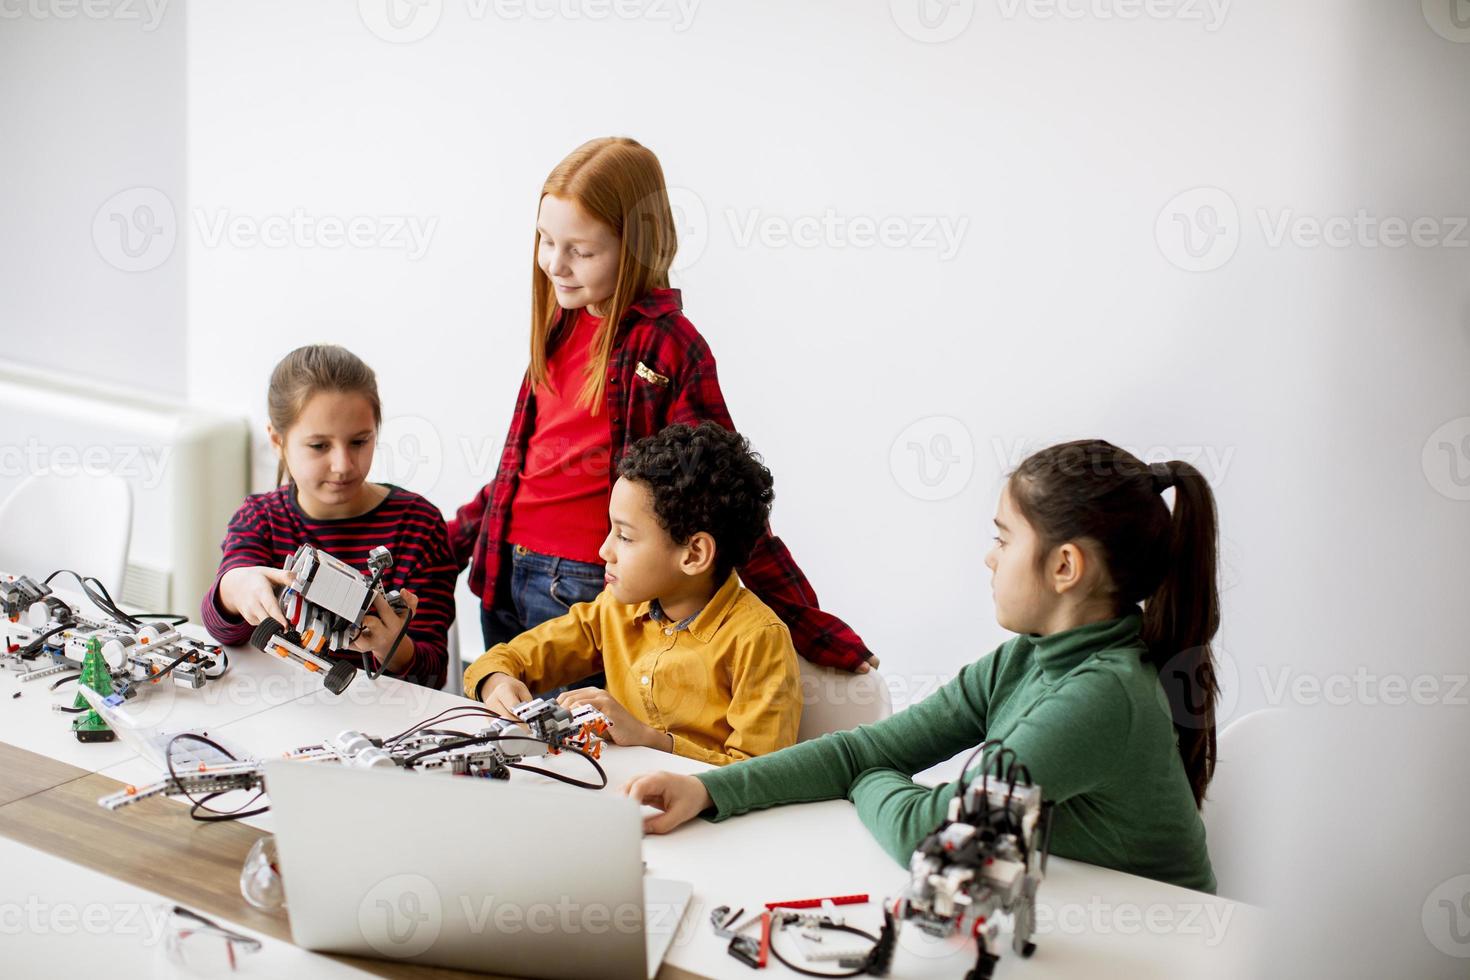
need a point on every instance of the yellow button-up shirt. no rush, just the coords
(727, 687)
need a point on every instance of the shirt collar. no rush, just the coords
(704, 624)
(1059, 653)
(657, 302)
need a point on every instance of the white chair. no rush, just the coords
(454, 677)
(835, 700)
(1241, 804)
(80, 522)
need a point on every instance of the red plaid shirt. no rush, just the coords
(661, 372)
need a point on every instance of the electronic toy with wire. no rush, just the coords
(43, 636)
(492, 752)
(984, 862)
(325, 605)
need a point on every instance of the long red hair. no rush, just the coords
(619, 182)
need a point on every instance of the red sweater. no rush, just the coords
(561, 504)
(269, 527)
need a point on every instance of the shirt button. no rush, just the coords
(645, 680)
(668, 631)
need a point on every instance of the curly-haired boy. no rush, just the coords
(695, 663)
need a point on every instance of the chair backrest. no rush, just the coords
(1240, 804)
(81, 522)
(454, 676)
(835, 700)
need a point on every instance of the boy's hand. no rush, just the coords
(502, 692)
(868, 663)
(250, 593)
(681, 798)
(623, 729)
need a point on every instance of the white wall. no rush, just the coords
(1054, 144)
(1307, 379)
(92, 131)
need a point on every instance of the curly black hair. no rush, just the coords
(704, 478)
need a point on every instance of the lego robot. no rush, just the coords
(43, 636)
(983, 864)
(325, 605)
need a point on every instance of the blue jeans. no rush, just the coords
(533, 588)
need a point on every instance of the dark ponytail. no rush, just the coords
(1181, 618)
(1093, 490)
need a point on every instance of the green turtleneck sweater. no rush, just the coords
(1083, 711)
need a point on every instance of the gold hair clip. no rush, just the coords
(651, 376)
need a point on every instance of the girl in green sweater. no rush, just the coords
(1106, 694)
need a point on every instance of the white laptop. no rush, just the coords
(511, 877)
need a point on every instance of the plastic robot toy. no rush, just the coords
(44, 636)
(983, 864)
(325, 605)
(582, 727)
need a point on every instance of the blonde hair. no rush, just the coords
(308, 371)
(619, 182)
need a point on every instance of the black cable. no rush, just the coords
(29, 651)
(875, 940)
(197, 805)
(569, 780)
(173, 619)
(68, 677)
(367, 656)
(965, 778)
(466, 742)
(172, 664)
(99, 596)
(470, 710)
(486, 739)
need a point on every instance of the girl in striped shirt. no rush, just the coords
(324, 420)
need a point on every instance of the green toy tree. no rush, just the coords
(89, 726)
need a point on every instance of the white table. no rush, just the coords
(58, 919)
(1092, 922)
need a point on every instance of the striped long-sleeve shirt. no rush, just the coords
(269, 527)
